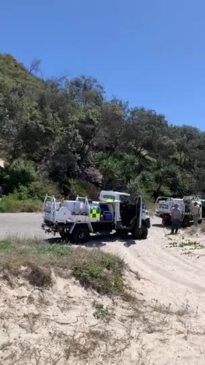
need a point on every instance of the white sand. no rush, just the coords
(165, 325)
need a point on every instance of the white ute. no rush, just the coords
(163, 206)
(75, 219)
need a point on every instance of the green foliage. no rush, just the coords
(93, 268)
(20, 172)
(12, 72)
(39, 188)
(67, 132)
(11, 203)
(74, 187)
(102, 272)
(53, 249)
(5, 245)
(85, 91)
(101, 311)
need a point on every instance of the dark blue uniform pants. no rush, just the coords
(176, 223)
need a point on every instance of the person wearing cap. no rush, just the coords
(176, 218)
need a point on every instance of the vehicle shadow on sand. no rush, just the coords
(95, 241)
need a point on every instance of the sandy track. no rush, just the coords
(21, 224)
(175, 277)
(166, 267)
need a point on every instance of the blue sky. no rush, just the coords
(148, 52)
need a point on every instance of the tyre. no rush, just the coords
(144, 232)
(140, 233)
(63, 235)
(80, 234)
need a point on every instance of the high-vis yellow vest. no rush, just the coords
(94, 213)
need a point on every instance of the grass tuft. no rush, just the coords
(54, 249)
(94, 269)
(5, 245)
(101, 272)
(39, 277)
(101, 312)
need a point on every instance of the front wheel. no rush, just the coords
(140, 233)
(80, 234)
(63, 234)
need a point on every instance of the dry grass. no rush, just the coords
(38, 276)
(100, 271)
(186, 244)
(92, 268)
(155, 317)
(168, 310)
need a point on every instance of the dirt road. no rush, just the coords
(21, 224)
(172, 271)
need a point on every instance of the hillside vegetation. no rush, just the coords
(63, 136)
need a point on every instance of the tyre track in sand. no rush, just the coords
(165, 267)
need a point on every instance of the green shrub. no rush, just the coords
(39, 188)
(27, 198)
(74, 187)
(111, 168)
(11, 204)
(101, 311)
(102, 272)
(19, 173)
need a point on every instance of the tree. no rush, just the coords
(35, 66)
(68, 129)
(85, 91)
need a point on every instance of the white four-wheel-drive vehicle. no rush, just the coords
(74, 220)
(163, 206)
(160, 204)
